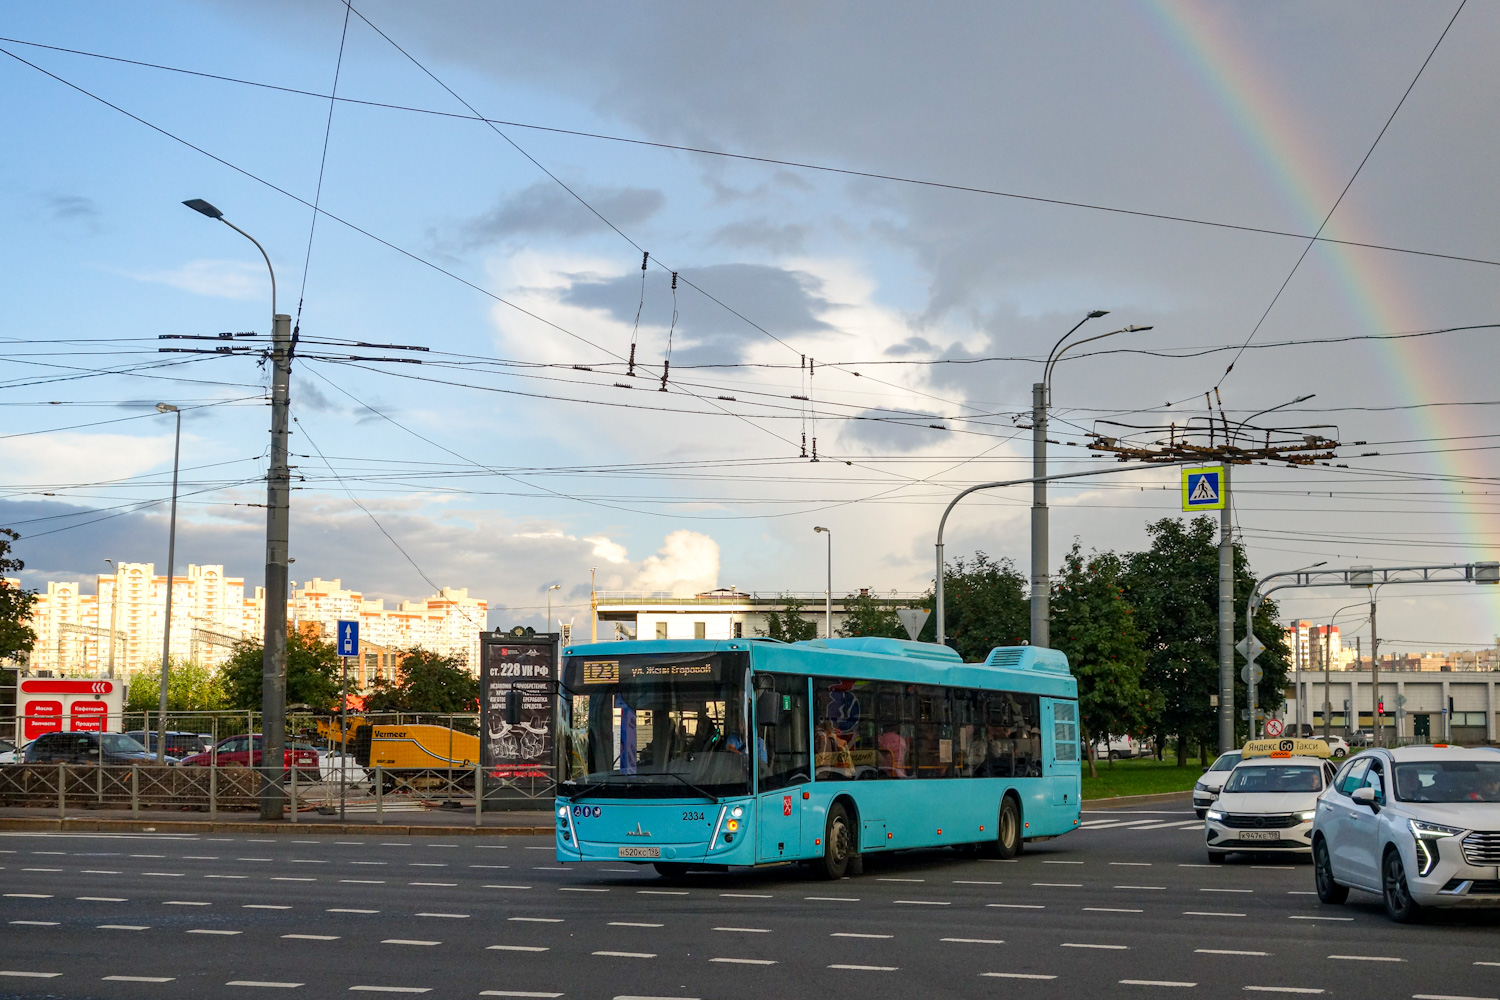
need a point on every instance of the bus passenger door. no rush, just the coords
(782, 764)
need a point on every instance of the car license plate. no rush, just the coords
(640, 852)
(1254, 835)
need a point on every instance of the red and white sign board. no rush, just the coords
(1273, 727)
(76, 704)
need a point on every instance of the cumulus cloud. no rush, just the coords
(687, 564)
(545, 208)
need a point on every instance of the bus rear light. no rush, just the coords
(818, 842)
(889, 836)
(940, 831)
(805, 795)
(981, 828)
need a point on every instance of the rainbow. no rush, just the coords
(1372, 291)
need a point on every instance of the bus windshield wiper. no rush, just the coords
(674, 774)
(587, 790)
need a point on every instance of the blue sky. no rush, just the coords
(537, 475)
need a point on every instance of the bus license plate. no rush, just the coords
(640, 852)
(1250, 835)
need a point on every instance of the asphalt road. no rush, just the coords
(1128, 907)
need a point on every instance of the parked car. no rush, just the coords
(1362, 739)
(246, 751)
(1119, 747)
(86, 748)
(1214, 776)
(1418, 826)
(179, 745)
(9, 752)
(1338, 748)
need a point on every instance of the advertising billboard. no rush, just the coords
(75, 704)
(517, 697)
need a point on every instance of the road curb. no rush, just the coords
(86, 825)
(1139, 800)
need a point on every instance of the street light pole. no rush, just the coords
(1041, 399)
(555, 586)
(828, 594)
(114, 607)
(278, 530)
(166, 629)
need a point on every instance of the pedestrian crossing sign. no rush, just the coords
(1203, 489)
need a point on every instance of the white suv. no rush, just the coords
(1418, 825)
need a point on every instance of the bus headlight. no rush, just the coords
(737, 811)
(562, 812)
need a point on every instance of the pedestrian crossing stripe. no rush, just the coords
(1203, 488)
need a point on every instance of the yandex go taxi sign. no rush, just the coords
(1285, 746)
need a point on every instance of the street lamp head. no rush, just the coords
(820, 529)
(1098, 312)
(1137, 329)
(165, 408)
(203, 208)
(555, 586)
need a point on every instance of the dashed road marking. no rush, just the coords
(311, 937)
(1228, 951)
(1153, 982)
(1366, 958)
(122, 927)
(264, 906)
(961, 881)
(745, 930)
(291, 878)
(345, 909)
(536, 920)
(138, 979)
(1441, 996)
(185, 902)
(448, 916)
(832, 899)
(972, 940)
(102, 899)
(1016, 906)
(263, 985)
(1110, 909)
(390, 989)
(878, 879)
(746, 895)
(212, 930)
(507, 887)
(851, 934)
(625, 954)
(1226, 890)
(514, 947)
(408, 941)
(1340, 919)
(28, 895)
(921, 902)
(36, 923)
(1015, 975)
(518, 993)
(1106, 947)
(744, 961)
(1282, 989)
(1060, 885)
(629, 923)
(567, 888)
(866, 968)
(16, 974)
(362, 881)
(1209, 913)
(435, 885)
(1154, 888)
(662, 892)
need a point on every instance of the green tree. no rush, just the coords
(312, 673)
(429, 682)
(191, 687)
(985, 606)
(1096, 627)
(866, 615)
(16, 637)
(1174, 586)
(787, 622)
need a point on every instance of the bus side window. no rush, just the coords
(895, 713)
(785, 743)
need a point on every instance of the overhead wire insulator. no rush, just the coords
(645, 256)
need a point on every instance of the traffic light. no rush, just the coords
(1382, 706)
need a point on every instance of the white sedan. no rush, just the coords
(1208, 787)
(1419, 826)
(1267, 804)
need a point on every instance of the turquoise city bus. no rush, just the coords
(710, 754)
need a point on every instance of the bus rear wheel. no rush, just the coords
(838, 844)
(1008, 841)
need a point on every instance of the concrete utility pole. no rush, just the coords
(166, 630)
(828, 594)
(114, 607)
(278, 530)
(1374, 672)
(1226, 623)
(1327, 706)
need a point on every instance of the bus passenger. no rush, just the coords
(892, 747)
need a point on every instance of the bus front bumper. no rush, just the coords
(693, 833)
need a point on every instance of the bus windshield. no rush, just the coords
(655, 725)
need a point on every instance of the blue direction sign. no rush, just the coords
(348, 638)
(1203, 489)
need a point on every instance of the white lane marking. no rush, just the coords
(493, 847)
(427, 864)
(662, 892)
(29, 975)
(1153, 982)
(1062, 862)
(513, 947)
(1152, 887)
(1015, 975)
(878, 879)
(744, 961)
(122, 927)
(1016, 906)
(1197, 866)
(1109, 909)
(851, 934)
(210, 930)
(138, 979)
(536, 920)
(226, 876)
(1106, 947)
(55, 870)
(832, 899)
(745, 930)
(97, 871)
(1442, 996)
(518, 993)
(254, 859)
(1209, 913)
(291, 878)
(311, 937)
(631, 870)
(1301, 892)
(185, 902)
(305, 861)
(102, 899)
(972, 940)
(746, 895)
(344, 909)
(36, 923)
(625, 954)
(435, 885)
(450, 916)
(362, 881)
(154, 857)
(1487, 963)
(565, 888)
(1276, 868)
(420, 944)
(1060, 885)
(369, 862)
(1226, 890)
(1341, 919)
(1228, 951)
(264, 906)
(629, 923)
(866, 968)
(263, 985)
(1366, 958)
(200, 857)
(1131, 864)
(28, 895)
(390, 989)
(960, 881)
(1190, 824)
(921, 902)
(1282, 989)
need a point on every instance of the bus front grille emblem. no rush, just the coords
(638, 832)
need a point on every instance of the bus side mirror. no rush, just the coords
(768, 708)
(512, 707)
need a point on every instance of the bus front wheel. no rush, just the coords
(838, 843)
(1008, 841)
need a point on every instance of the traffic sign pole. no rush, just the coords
(348, 646)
